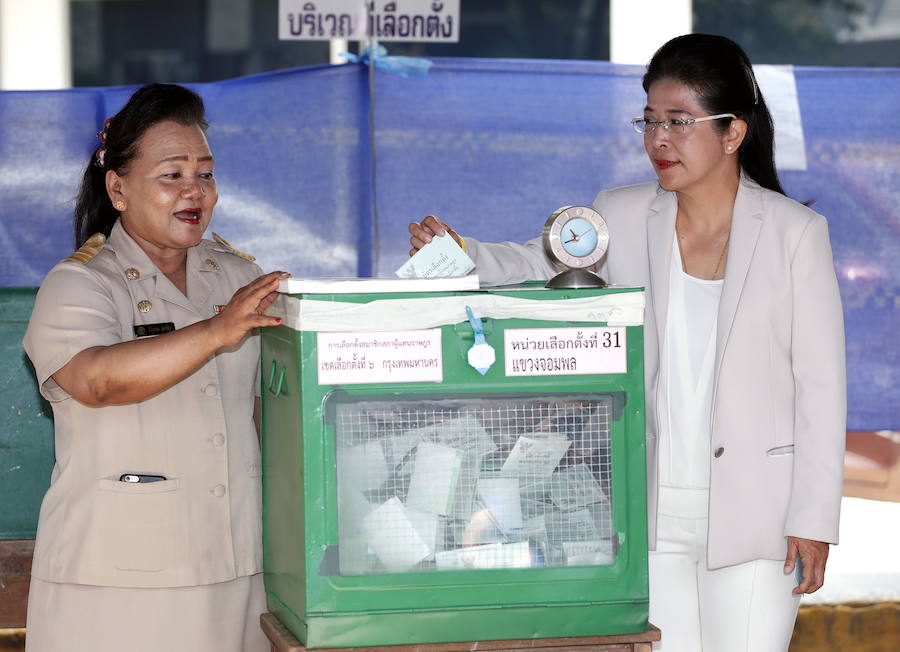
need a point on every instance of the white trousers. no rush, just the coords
(743, 608)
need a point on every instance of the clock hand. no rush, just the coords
(575, 238)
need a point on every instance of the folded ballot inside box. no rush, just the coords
(448, 484)
(434, 477)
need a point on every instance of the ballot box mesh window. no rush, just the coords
(445, 484)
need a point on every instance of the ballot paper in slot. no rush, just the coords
(440, 258)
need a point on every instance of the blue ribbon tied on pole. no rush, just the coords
(409, 67)
(481, 354)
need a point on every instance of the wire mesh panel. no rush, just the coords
(444, 484)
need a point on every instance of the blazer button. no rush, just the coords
(719, 451)
(219, 490)
(218, 439)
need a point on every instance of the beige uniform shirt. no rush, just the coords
(202, 524)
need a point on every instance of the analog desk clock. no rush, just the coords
(576, 237)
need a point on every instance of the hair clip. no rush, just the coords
(100, 157)
(753, 85)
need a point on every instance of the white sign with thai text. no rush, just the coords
(383, 20)
(379, 357)
(565, 351)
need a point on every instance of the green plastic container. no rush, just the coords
(410, 499)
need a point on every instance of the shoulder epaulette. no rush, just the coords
(227, 247)
(88, 250)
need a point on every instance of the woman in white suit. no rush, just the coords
(746, 399)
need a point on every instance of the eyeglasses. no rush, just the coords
(646, 126)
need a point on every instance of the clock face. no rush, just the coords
(579, 237)
(576, 236)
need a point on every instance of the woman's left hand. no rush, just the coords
(813, 555)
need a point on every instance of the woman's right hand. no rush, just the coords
(422, 232)
(244, 311)
(135, 370)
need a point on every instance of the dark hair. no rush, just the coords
(149, 105)
(719, 71)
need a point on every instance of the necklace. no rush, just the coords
(718, 266)
(715, 274)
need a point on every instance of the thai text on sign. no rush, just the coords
(383, 20)
(564, 351)
(379, 357)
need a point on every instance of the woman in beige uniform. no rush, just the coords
(143, 342)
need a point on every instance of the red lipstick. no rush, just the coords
(189, 215)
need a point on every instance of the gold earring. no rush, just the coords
(120, 205)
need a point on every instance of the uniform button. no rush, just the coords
(719, 451)
(218, 439)
(219, 490)
(211, 390)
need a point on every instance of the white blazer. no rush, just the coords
(779, 396)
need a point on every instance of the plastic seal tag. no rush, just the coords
(481, 354)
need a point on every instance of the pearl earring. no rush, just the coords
(729, 147)
(120, 205)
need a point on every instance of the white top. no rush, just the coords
(688, 360)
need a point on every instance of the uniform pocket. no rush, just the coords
(780, 451)
(139, 524)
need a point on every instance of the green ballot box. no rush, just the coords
(410, 498)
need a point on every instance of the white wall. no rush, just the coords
(637, 28)
(35, 47)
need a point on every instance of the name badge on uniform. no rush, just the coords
(146, 330)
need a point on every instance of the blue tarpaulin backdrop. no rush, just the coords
(491, 146)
